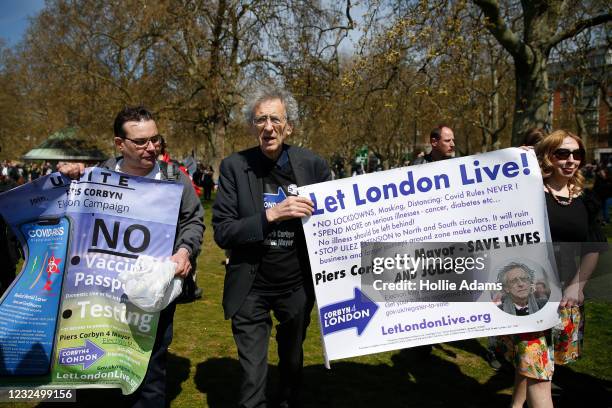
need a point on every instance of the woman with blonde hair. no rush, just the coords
(572, 217)
(561, 154)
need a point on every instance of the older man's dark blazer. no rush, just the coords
(239, 219)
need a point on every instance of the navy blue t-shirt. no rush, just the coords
(279, 270)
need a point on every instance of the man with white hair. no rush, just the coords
(517, 280)
(256, 218)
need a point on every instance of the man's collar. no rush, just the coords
(519, 307)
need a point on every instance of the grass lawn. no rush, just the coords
(204, 371)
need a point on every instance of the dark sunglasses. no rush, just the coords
(143, 142)
(564, 154)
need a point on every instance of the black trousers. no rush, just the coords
(208, 192)
(251, 327)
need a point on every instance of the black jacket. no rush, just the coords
(239, 220)
(423, 159)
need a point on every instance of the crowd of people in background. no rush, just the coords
(13, 173)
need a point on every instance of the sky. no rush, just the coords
(14, 18)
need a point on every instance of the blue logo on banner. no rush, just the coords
(356, 312)
(33, 300)
(270, 200)
(85, 355)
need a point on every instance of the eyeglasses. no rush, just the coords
(260, 121)
(515, 281)
(564, 154)
(144, 142)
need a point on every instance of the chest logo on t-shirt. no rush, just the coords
(270, 199)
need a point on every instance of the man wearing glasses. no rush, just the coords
(138, 140)
(519, 300)
(256, 218)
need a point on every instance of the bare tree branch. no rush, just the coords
(577, 28)
(498, 27)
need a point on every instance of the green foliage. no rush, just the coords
(380, 73)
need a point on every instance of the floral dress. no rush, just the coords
(534, 354)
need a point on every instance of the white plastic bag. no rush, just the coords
(151, 284)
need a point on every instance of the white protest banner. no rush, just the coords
(470, 233)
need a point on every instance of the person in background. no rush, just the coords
(208, 183)
(442, 140)
(603, 190)
(34, 172)
(172, 166)
(198, 174)
(47, 169)
(10, 249)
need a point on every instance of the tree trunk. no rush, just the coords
(495, 130)
(532, 96)
(583, 132)
(580, 110)
(217, 138)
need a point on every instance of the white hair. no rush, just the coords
(501, 276)
(265, 93)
